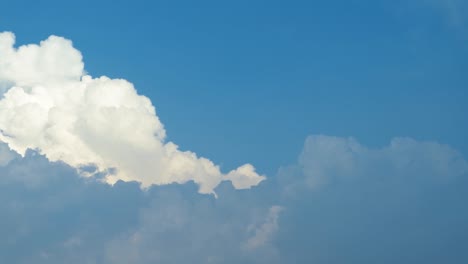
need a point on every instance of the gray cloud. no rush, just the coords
(52, 215)
(348, 203)
(6, 155)
(341, 203)
(264, 231)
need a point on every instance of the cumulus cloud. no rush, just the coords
(51, 105)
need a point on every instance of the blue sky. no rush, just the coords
(253, 82)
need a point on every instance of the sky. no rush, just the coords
(234, 131)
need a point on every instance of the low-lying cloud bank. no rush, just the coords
(51, 105)
(342, 202)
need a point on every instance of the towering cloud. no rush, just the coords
(51, 105)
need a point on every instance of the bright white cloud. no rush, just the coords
(51, 105)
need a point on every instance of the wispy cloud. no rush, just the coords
(264, 232)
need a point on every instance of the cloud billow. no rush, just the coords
(51, 105)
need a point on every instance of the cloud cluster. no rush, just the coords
(53, 215)
(51, 105)
(350, 203)
(342, 202)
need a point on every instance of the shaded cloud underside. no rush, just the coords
(341, 203)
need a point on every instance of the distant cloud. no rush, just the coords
(350, 203)
(49, 104)
(264, 232)
(327, 160)
(338, 202)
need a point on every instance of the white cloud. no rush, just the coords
(49, 104)
(52, 61)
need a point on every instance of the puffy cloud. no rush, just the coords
(51, 105)
(52, 61)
